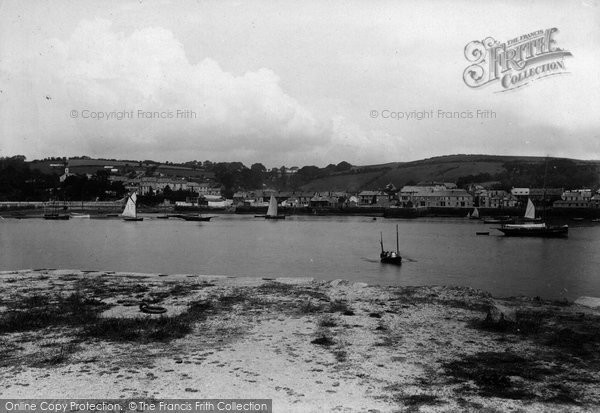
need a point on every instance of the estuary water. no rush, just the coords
(435, 251)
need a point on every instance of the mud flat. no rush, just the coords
(311, 346)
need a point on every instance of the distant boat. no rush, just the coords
(498, 220)
(272, 211)
(76, 215)
(534, 229)
(53, 213)
(475, 214)
(165, 215)
(530, 211)
(130, 211)
(195, 218)
(390, 257)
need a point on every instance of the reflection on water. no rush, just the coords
(435, 251)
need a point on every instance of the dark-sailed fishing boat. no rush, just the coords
(390, 257)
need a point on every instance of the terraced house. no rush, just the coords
(449, 198)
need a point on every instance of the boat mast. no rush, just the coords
(397, 244)
(544, 193)
(381, 240)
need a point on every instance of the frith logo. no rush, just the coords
(514, 63)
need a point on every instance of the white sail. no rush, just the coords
(272, 211)
(130, 209)
(475, 213)
(530, 211)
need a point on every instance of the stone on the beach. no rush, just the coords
(591, 302)
(339, 282)
(498, 313)
(360, 285)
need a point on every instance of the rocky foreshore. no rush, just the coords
(311, 346)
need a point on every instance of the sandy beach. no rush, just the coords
(311, 346)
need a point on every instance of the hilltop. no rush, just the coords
(459, 168)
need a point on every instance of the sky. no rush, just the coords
(286, 82)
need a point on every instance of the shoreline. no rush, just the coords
(556, 213)
(309, 345)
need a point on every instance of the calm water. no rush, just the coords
(437, 251)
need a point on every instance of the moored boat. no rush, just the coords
(499, 220)
(51, 212)
(76, 215)
(272, 211)
(130, 210)
(535, 230)
(195, 218)
(390, 257)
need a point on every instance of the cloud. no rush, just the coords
(98, 71)
(351, 142)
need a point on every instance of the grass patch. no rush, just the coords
(418, 400)
(456, 297)
(275, 288)
(578, 342)
(308, 307)
(37, 313)
(77, 311)
(569, 335)
(327, 321)
(338, 306)
(494, 374)
(291, 290)
(386, 341)
(140, 329)
(175, 290)
(54, 355)
(148, 329)
(323, 340)
(104, 288)
(340, 355)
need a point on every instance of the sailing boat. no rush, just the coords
(164, 206)
(390, 257)
(475, 214)
(130, 211)
(530, 211)
(54, 214)
(537, 229)
(272, 211)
